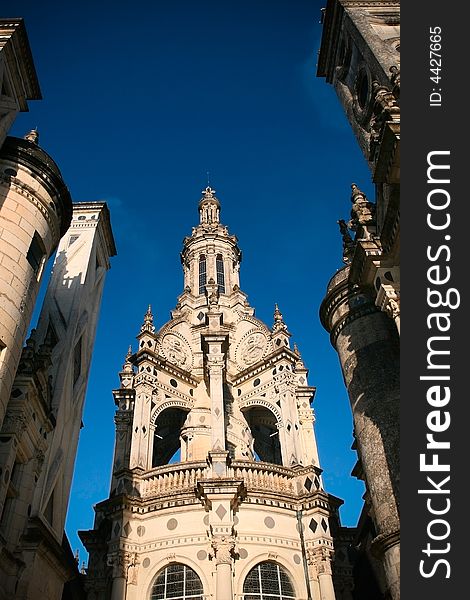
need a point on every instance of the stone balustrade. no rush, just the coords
(181, 478)
(177, 477)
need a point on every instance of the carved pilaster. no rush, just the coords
(124, 565)
(319, 559)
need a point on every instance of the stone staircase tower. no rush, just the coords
(216, 488)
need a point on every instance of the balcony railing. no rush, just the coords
(182, 478)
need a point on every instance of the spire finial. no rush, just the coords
(32, 136)
(278, 320)
(299, 363)
(148, 321)
(127, 366)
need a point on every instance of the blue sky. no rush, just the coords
(140, 100)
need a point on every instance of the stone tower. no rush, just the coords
(35, 212)
(359, 56)
(41, 427)
(216, 487)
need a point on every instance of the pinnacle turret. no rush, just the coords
(147, 325)
(279, 324)
(127, 366)
(362, 213)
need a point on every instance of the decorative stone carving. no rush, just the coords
(124, 565)
(223, 549)
(362, 211)
(14, 423)
(385, 109)
(362, 214)
(320, 559)
(176, 350)
(252, 349)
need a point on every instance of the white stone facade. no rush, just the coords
(216, 467)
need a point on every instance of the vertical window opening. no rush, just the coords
(219, 263)
(202, 273)
(77, 361)
(36, 255)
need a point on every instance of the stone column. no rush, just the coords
(325, 579)
(124, 571)
(320, 574)
(118, 562)
(222, 549)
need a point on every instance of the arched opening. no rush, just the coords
(177, 582)
(166, 441)
(267, 581)
(263, 426)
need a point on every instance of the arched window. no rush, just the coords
(202, 273)
(177, 582)
(267, 581)
(219, 265)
